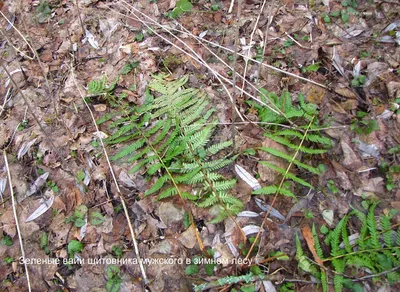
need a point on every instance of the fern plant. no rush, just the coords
(376, 251)
(169, 138)
(299, 140)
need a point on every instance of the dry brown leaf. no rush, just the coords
(307, 234)
(343, 91)
(350, 104)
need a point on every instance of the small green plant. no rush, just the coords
(78, 218)
(358, 81)
(376, 249)
(117, 251)
(6, 240)
(363, 125)
(326, 18)
(181, 7)
(8, 260)
(198, 261)
(52, 185)
(139, 37)
(114, 279)
(129, 67)
(74, 246)
(332, 187)
(43, 12)
(288, 43)
(96, 218)
(23, 125)
(215, 7)
(390, 167)
(44, 241)
(311, 68)
(364, 54)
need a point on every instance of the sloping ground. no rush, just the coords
(343, 57)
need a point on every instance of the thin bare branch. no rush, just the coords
(21, 244)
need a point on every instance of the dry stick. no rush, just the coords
(135, 244)
(277, 192)
(269, 21)
(29, 45)
(237, 19)
(201, 61)
(197, 58)
(79, 16)
(246, 60)
(21, 244)
(276, 110)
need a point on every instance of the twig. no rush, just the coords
(376, 275)
(231, 6)
(237, 19)
(135, 244)
(80, 18)
(21, 244)
(21, 35)
(246, 60)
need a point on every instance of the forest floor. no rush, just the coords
(333, 73)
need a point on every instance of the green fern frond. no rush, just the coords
(157, 185)
(287, 143)
(289, 158)
(170, 137)
(214, 149)
(129, 149)
(372, 228)
(169, 192)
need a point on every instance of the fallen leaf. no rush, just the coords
(343, 91)
(44, 206)
(25, 148)
(247, 177)
(38, 183)
(307, 234)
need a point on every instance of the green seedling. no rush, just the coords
(44, 241)
(181, 7)
(78, 218)
(114, 279)
(6, 240)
